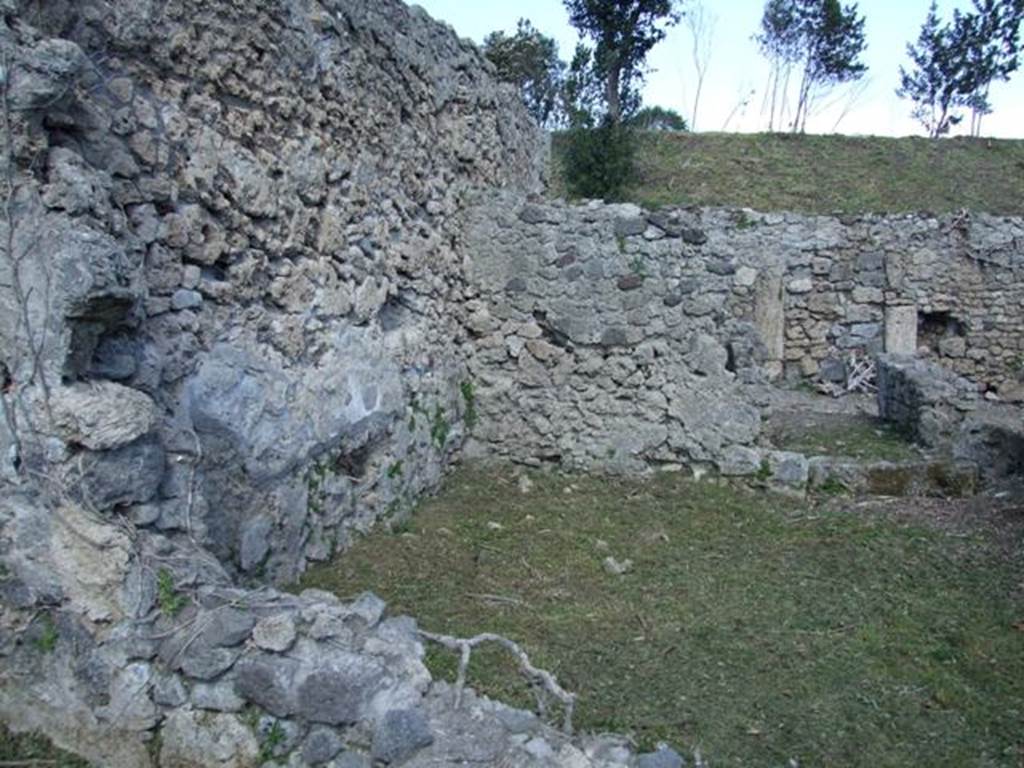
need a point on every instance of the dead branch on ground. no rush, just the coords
(543, 682)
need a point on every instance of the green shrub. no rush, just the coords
(599, 161)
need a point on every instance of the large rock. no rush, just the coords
(400, 734)
(102, 415)
(119, 477)
(339, 691)
(275, 419)
(193, 738)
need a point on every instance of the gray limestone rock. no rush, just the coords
(664, 757)
(694, 236)
(186, 299)
(533, 213)
(195, 738)
(206, 663)
(168, 691)
(628, 227)
(217, 697)
(517, 720)
(321, 745)
(400, 734)
(255, 543)
(267, 683)
(275, 633)
(351, 759)
(739, 460)
(45, 76)
(788, 470)
(338, 692)
(368, 608)
(228, 627)
(121, 476)
(102, 415)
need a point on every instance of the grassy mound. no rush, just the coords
(825, 174)
(756, 628)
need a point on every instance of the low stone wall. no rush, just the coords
(610, 337)
(943, 411)
(926, 401)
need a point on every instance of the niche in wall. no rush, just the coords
(940, 333)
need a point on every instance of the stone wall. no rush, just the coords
(245, 219)
(256, 289)
(943, 413)
(609, 337)
(926, 401)
(231, 310)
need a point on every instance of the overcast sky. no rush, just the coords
(737, 75)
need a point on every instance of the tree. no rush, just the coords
(657, 119)
(701, 24)
(623, 33)
(990, 40)
(581, 90)
(955, 64)
(779, 41)
(823, 37)
(529, 60)
(933, 84)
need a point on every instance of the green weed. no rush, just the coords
(439, 428)
(168, 598)
(46, 640)
(469, 398)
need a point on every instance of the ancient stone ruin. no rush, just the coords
(269, 268)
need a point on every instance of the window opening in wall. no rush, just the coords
(933, 328)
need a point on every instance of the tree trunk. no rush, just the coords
(612, 94)
(696, 102)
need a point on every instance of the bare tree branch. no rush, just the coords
(542, 680)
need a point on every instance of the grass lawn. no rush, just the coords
(756, 628)
(826, 174)
(866, 438)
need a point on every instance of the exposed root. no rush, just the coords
(542, 681)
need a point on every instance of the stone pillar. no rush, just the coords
(770, 320)
(901, 330)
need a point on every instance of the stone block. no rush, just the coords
(400, 734)
(800, 285)
(739, 460)
(627, 227)
(770, 317)
(746, 277)
(102, 415)
(321, 745)
(901, 330)
(866, 295)
(339, 692)
(275, 633)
